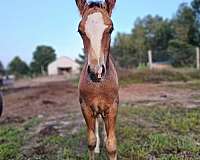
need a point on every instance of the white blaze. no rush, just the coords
(94, 29)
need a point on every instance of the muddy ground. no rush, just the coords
(56, 104)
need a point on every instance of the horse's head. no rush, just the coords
(95, 29)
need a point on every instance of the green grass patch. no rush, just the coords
(143, 133)
(160, 132)
(31, 123)
(12, 138)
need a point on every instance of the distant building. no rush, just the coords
(62, 66)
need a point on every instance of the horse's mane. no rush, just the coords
(99, 4)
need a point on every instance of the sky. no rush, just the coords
(27, 24)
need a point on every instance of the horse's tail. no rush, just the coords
(1, 103)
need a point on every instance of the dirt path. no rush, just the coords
(170, 94)
(56, 103)
(52, 108)
(46, 100)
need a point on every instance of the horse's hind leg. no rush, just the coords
(91, 137)
(110, 123)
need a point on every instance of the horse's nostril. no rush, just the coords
(89, 69)
(96, 74)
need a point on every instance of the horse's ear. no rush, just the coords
(81, 4)
(110, 5)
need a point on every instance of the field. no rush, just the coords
(156, 121)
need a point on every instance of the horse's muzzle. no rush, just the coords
(96, 72)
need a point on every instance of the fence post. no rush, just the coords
(198, 58)
(150, 58)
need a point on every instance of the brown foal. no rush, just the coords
(98, 86)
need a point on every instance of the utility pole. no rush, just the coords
(198, 58)
(150, 58)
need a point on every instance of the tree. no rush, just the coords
(123, 51)
(182, 47)
(42, 56)
(182, 53)
(81, 59)
(2, 70)
(150, 32)
(18, 67)
(169, 39)
(196, 10)
(184, 23)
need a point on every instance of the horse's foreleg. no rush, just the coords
(110, 123)
(91, 137)
(104, 134)
(97, 149)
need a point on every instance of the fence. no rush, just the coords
(197, 58)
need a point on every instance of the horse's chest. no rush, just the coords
(99, 103)
(99, 97)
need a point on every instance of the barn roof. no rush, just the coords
(64, 61)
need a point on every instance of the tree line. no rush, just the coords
(42, 56)
(171, 40)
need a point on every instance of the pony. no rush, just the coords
(98, 85)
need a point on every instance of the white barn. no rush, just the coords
(62, 66)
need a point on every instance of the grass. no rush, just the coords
(31, 123)
(156, 76)
(143, 133)
(13, 137)
(159, 132)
